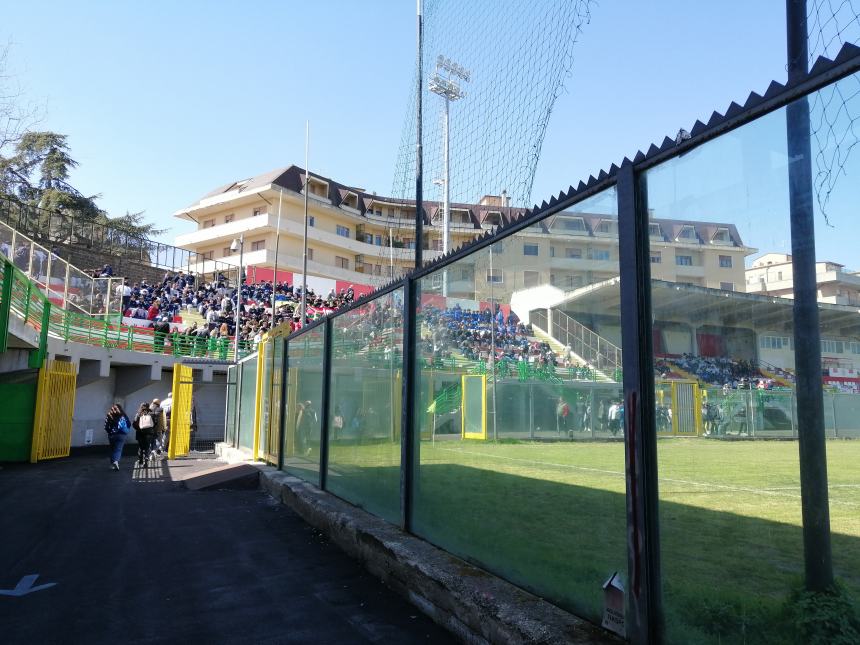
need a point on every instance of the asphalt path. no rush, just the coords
(137, 558)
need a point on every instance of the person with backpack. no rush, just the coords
(117, 427)
(145, 427)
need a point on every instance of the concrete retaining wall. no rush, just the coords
(476, 606)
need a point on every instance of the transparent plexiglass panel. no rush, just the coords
(724, 339)
(365, 412)
(247, 410)
(303, 406)
(7, 246)
(835, 170)
(80, 291)
(521, 447)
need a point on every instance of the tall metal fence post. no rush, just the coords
(285, 373)
(807, 336)
(408, 444)
(5, 304)
(326, 397)
(644, 597)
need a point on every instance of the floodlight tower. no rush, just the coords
(445, 83)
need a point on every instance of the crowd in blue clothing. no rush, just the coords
(473, 333)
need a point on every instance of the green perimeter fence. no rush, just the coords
(552, 489)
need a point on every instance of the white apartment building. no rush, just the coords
(360, 238)
(771, 274)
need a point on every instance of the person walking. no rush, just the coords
(144, 425)
(157, 413)
(117, 427)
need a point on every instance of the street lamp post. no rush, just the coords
(238, 244)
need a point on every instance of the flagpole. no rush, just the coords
(305, 241)
(277, 250)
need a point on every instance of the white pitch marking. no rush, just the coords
(737, 489)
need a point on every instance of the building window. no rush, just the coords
(779, 275)
(687, 233)
(209, 255)
(573, 224)
(552, 251)
(600, 255)
(727, 286)
(775, 342)
(573, 253)
(654, 230)
(832, 346)
(341, 263)
(495, 276)
(377, 270)
(722, 235)
(229, 218)
(530, 249)
(310, 253)
(656, 257)
(259, 245)
(684, 260)
(531, 278)
(574, 281)
(226, 252)
(311, 220)
(343, 231)
(726, 261)
(209, 223)
(377, 240)
(607, 226)
(259, 211)
(854, 347)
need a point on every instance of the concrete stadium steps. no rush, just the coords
(684, 374)
(558, 348)
(190, 317)
(779, 380)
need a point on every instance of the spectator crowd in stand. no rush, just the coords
(712, 369)
(470, 334)
(162, 305)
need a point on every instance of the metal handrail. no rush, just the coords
(588, 345)
(28, 303)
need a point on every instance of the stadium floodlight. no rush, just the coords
(449, 90)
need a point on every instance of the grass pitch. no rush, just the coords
(551, 518)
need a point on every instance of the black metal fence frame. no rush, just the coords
(644, 613)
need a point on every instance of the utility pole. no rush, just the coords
(305, 238)
(419, 152)
(807, 335)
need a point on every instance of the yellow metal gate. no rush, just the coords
(180, 414)
(55, 405)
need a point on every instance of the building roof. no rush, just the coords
(681, 302)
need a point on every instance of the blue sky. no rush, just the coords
(163, 101)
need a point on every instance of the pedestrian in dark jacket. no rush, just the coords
(145, 427)
(117, 427)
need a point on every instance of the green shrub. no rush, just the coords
(824, 617)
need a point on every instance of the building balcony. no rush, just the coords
(227, 231)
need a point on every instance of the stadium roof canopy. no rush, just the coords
(691, 304)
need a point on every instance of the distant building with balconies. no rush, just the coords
(361, 238)
(771, 274)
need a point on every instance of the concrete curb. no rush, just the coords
(476, 606)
